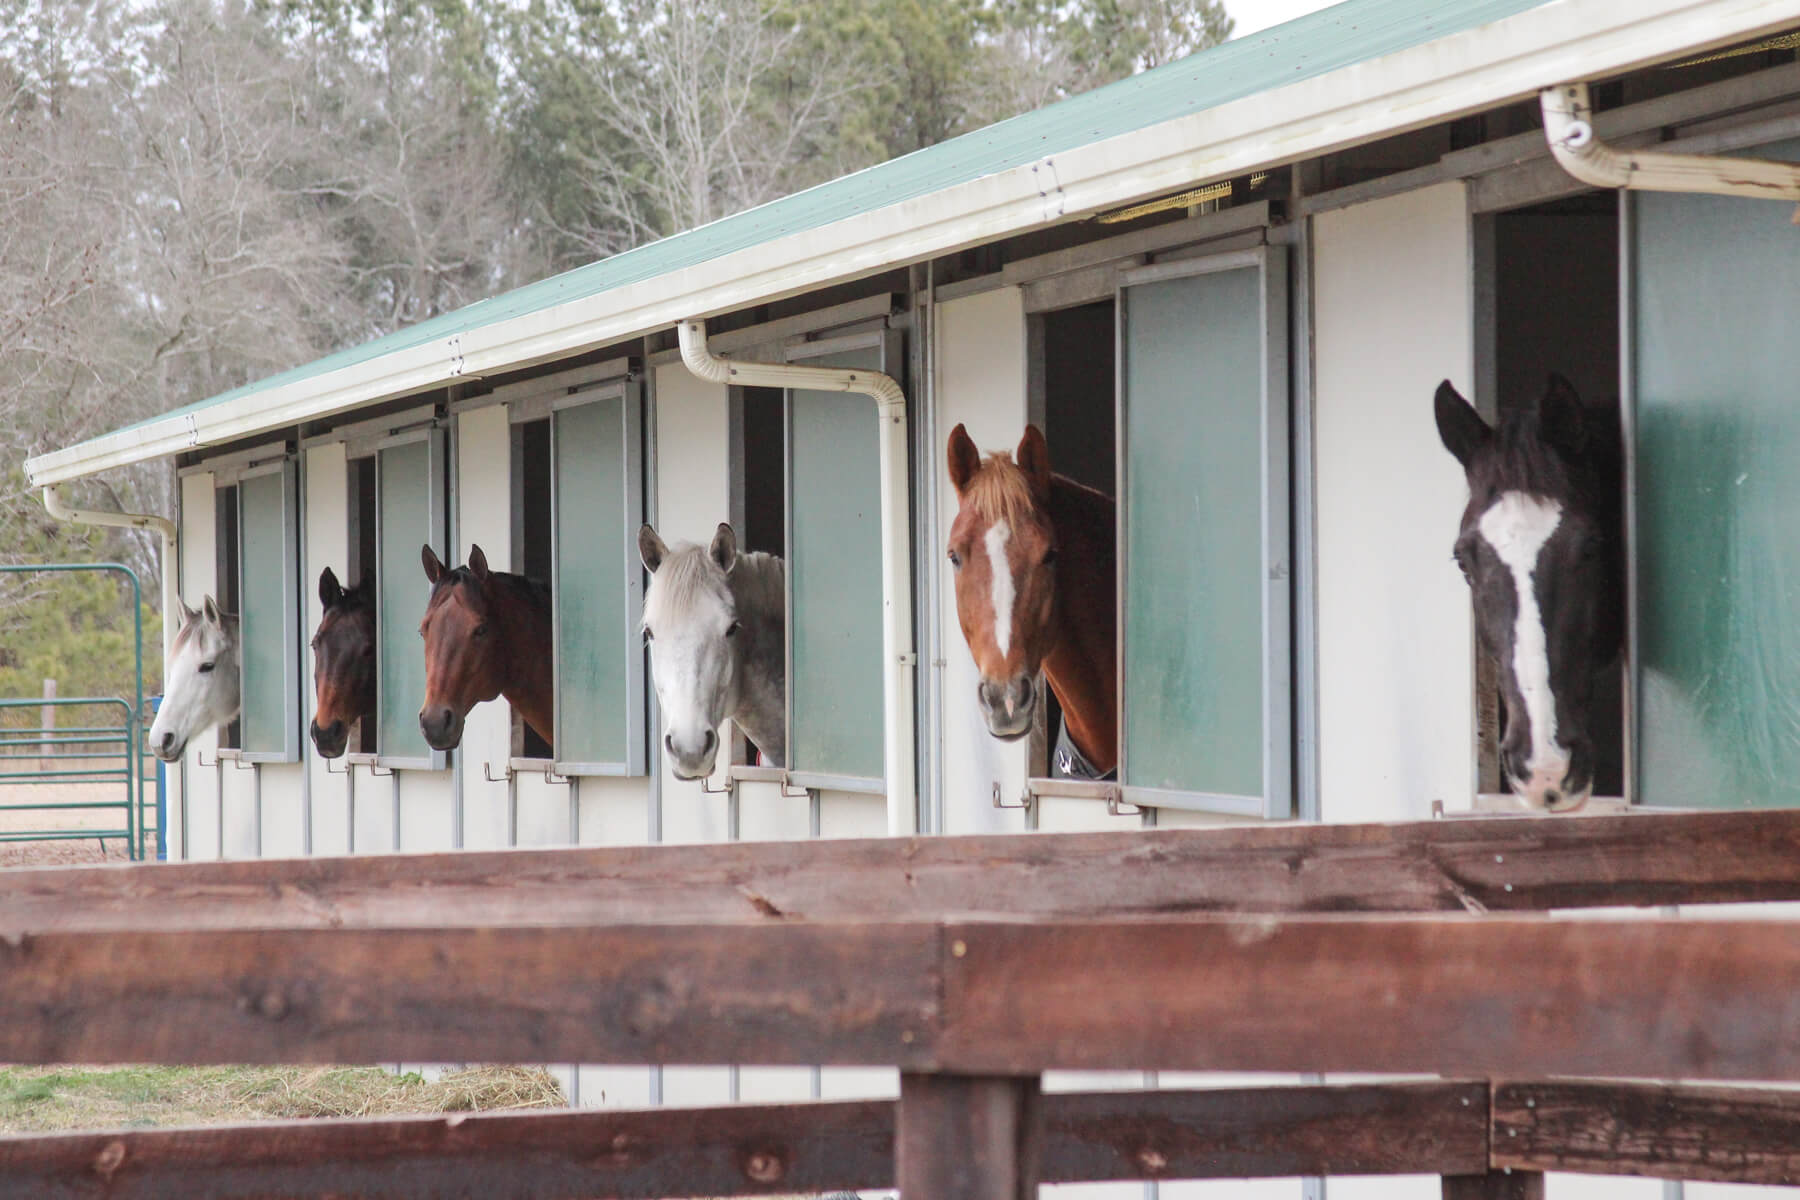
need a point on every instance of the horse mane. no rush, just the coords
(185, 634)
(534, 591)
(999, 491)
(685, 576)
(688, 574)
(1524, 460)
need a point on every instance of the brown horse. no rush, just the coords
(487, 634)
(1035, 588)
(343, 663)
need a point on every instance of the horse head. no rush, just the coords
(486, 632)
(1540, 551)
(200, 688)
(1003, 549)
(343, 663)
(691, 622)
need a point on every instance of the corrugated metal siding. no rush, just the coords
(1337, 37)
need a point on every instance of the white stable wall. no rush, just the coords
(979, 381)
(1392, 317)
(194, 810)
(325, 538)
(484, 518)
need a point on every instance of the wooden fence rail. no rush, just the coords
(1476, 865)
(1520, 997)
(1713, 1134)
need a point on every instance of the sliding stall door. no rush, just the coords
(1710, 283)
(1205, 604)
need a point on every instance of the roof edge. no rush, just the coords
(1506, 60)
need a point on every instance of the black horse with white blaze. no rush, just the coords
(1540, 547)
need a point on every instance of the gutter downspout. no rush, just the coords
(898, 659)
(1569, 128)
(58, 507)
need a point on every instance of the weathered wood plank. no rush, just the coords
(961, 1137)
(771, 993)
(1496, 864)
(737, 1151)
(1495, 1185)
(1244, 1133)
(1457, 996)
(1728, 1135)
(1493, 996)
(757, 1149)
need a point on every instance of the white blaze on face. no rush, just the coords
(998, 534)
(1517, 526)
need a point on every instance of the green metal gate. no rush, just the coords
(111, 750)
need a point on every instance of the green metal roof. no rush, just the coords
(1340, 36)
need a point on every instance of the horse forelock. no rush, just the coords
(999, 491)
(685, 579)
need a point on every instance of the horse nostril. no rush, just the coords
(712, 739)
(168, 742)
(669, 742)
(1551, 798)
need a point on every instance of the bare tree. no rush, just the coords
(703, 114)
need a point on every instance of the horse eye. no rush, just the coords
(731, 630)
(481, 630)
(206, 667)
(648, 636)
(955, 560)
(1050, 556)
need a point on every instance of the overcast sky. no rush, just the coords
(1252, 15)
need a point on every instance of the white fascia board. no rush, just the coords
(1507, 60)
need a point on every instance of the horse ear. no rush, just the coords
(1560, 417)
(1033, 457)
(724, 547)
(1460, 427)
(478, 564)
(965, 459)
(211, 609)
(651, 548)
(188, 615)
(330, 593)
(434, 569)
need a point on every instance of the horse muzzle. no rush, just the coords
(330, 740)
(167, 748)
(1008, 707)
(442, 727)
(685, 762)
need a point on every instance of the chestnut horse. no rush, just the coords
(343, 663)
(1034, 557)
(487, 634)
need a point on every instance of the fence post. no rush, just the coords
(1495, 1185)
(47, 720)
(968, 1137)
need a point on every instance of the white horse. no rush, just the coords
(200, 680)
(716, 621)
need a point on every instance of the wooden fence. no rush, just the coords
(973, 964)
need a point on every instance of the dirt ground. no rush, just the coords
(61, 852)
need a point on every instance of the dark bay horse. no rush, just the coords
(1034, 556)
(343, 663)
(1541, 547)
(487, 634)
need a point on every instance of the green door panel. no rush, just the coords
(834, 579)
(1713, 283)
(266, 594)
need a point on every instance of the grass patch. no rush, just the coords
(48, 1099)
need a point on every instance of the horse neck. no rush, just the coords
(1082, 663)
(758, 704)
(529, 686)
